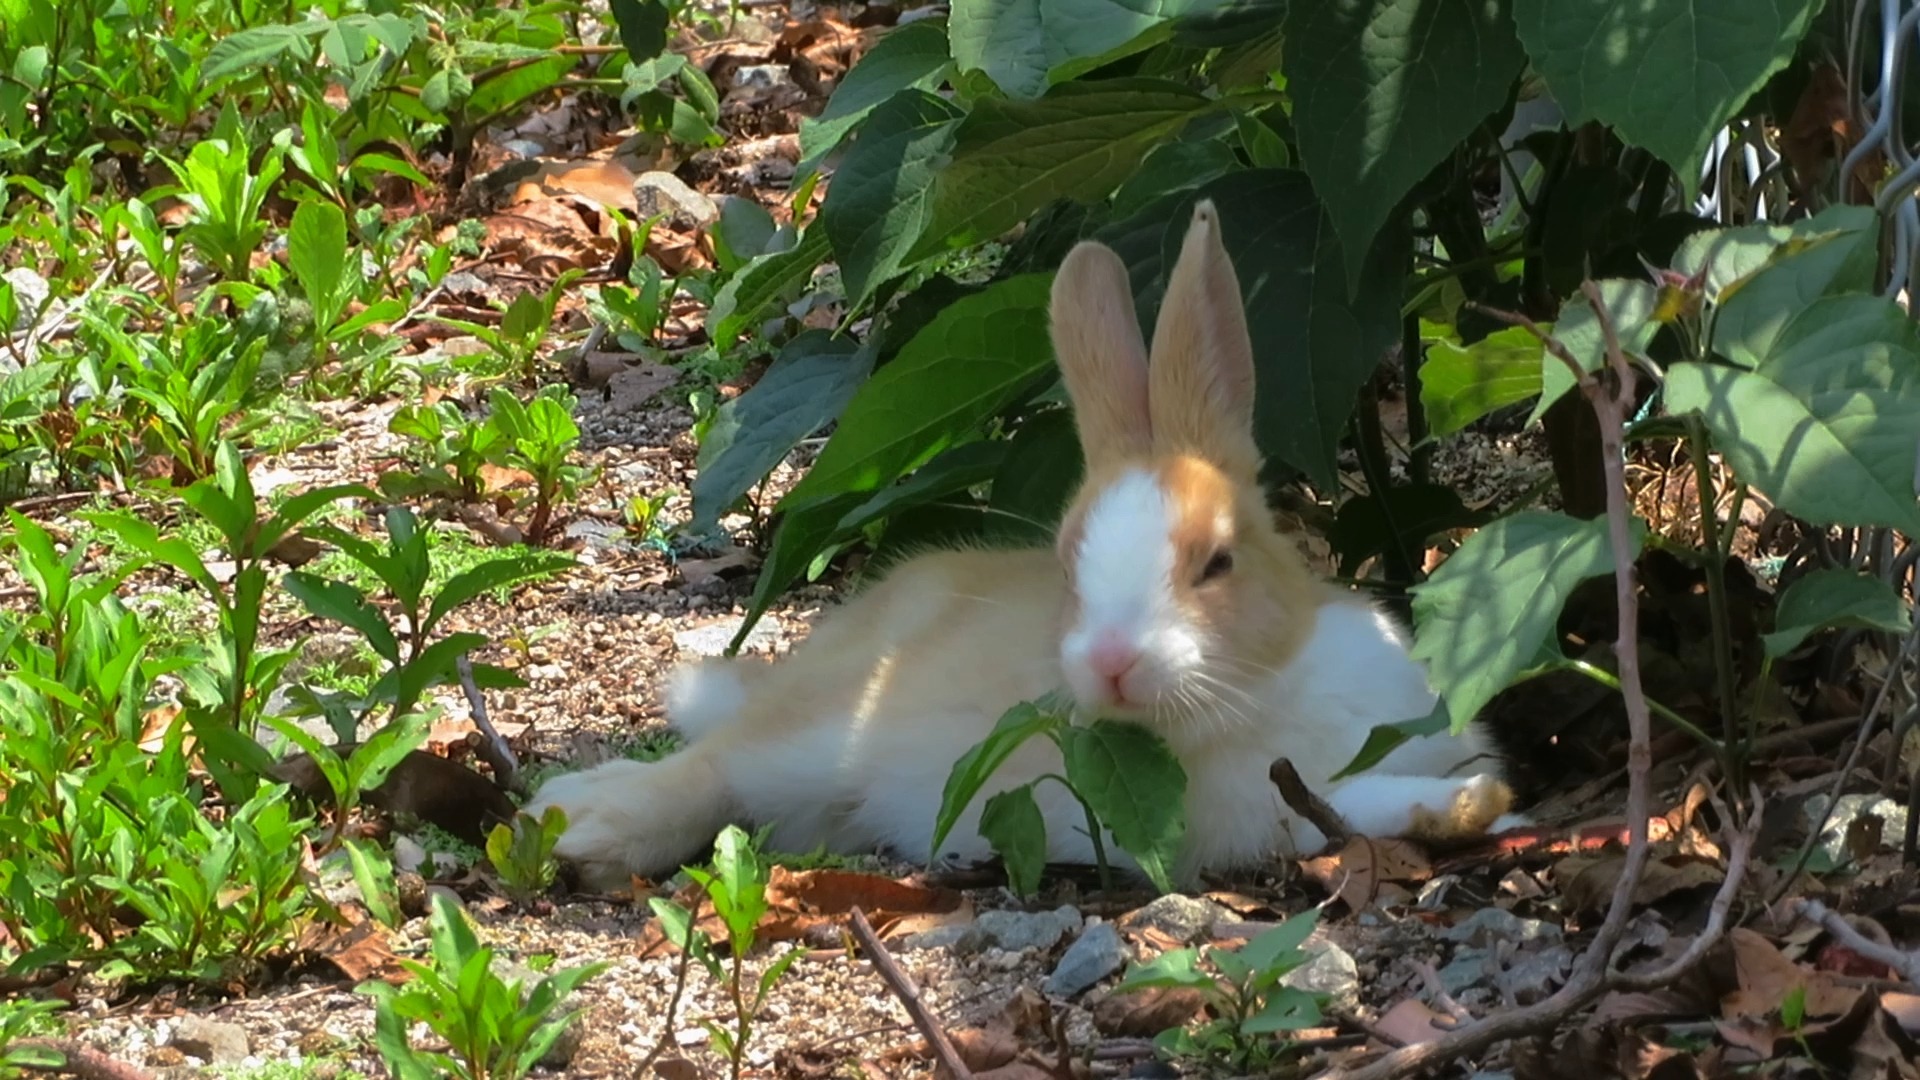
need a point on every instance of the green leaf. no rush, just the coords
(973, 360)
(1042, 471)
(1835, 251)
(1136, 787)
(800, 537)
(806, 388)
(346, 605)
(1385, 89)
(743, 232)
(1273, 947)
(1482, 616)
(1025, 44)
(317, 253)
(953, 471)
(259, 45)
(913, 56)
(762, 282)
(978, 764)
(1828, 423)
(1666, 74)
(1315, 341)
(372, 760)
(1286, 1009)
(1459, 385)
(1833, 597)
(490, 575)
(1012, 823)
(643, 27)
(881, 197)
(1010, 158)
(374, 875)
(516, 85)
(1175, 166)
(1629, 304)
(1384, 739)
(1175, 968)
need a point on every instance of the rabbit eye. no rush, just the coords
(1221, 562)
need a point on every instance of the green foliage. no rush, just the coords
(522, 854)
(1246, 1005)
(494, 1027)
(1124, 776)
(735, 883)
(539, 438)
(20, 1018)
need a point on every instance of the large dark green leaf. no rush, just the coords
(762, 282)
(969, 363)
(1315, 342)
(1411, 514)
(643, 27)
(1041, 472)
(1828, 422)
(805, 389)
(797, 541)
(1011, 821)
(1019, 43)
(881, 197)
(1665, 73)
(1010, 158)
(952, 473)
(1384, 90)
(1759, 276)
(1482, 617)
(913, 56)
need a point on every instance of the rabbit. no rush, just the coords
(1170, 598)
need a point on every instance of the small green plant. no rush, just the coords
(1145, 816)
(227, 198)
(19, 1019)
(453, 447)
(540, 438)
(373, 875)
(493, 1029)
(329, 271)
(1246, 1005)
(736, 885)
(523, 327)
(522, 854)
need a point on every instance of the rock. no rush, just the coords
(1018, 931)
(1833, 839)
(1331, 972)
(658, 193)
(940, 937)
(211, 1041)
(1096, 954)
(761, 76)
(711, 639)
(1186, 919)
(1535, 973)
(1489, 925)
(30, 294)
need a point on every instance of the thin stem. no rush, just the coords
(1605, 678)
(1735, 759)
(1093, 830)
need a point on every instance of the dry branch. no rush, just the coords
(1317, 811)
(1611, 393)
(903, 988)
(82, 1061)
(1904, 964)
(491, 748)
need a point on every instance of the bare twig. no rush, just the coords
(1739, 853)
(82, 1061)
(903, 988)
(1438, 991)
(1611, 393)
(1318, 812)
(492, 748)
(1905, 964)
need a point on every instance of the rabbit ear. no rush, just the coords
(1202, 381)
(1096, 339)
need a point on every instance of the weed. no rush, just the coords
(522, 853)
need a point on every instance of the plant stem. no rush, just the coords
(1606, 678)
(1734, 760)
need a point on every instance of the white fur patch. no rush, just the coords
(1123, 575)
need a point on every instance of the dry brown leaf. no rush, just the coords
(498, 478)
(701, 571)
(636, 384)
(1766, 978)
(1147, 1013)
(1413, 1021)
(608, 183)
(1587, 881)
(358, 950)
(1363, 872)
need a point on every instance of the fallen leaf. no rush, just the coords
(1146, 1013)
(358, 950)
(675, 1067)
(608, 183)
(1361, 872)
(635, 385)
(701, 571)
(1413, 1021)
(1766, 977)
(1587, 881)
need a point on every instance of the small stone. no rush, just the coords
(30, 294)
(1535, 973)
(1489, 925)
(940, 937)
(1186, 919)
(761, 76)
(1096, 954)
(166, 1057)
(662, 193)
(1018, 931)
(711, 639)
(1833, 838)
(1332, 972)
(690, 1036)
(212, 1041)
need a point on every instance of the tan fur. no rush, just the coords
(1471, 813)
(1096, 338)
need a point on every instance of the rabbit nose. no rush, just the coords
(1111, 659)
